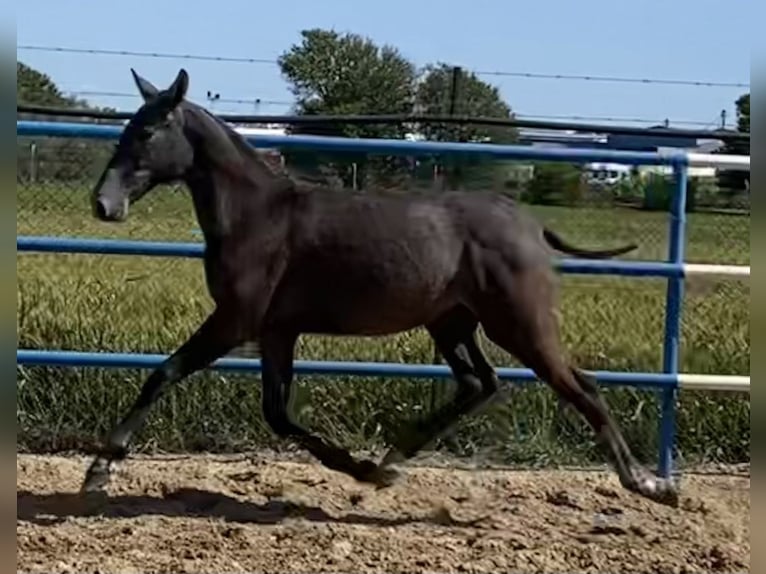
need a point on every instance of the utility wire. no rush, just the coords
(528, 75)
(585, 118)
(612, 119)
(102, 52)
(617, 79)
(243, 101)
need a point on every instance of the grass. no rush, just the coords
(141, 304)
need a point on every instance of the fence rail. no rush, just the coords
(367, 369)
(384, 146)
(43, 244)
(377, 119)
(674, 269)
(673, 158)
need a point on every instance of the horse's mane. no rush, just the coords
(298, 180)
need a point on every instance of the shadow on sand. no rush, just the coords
(49, 509)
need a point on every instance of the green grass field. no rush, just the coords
(142, 304)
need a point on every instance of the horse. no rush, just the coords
(284, 257)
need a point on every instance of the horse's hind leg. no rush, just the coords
(477, 384)
(214, 338)
(521, 320)
(277, 352)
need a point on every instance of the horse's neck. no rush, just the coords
(231, 187)
(222, 204)
(226, 150)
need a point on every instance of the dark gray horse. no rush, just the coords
(284, 258)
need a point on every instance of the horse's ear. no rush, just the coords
(145, 87)
(179, 87)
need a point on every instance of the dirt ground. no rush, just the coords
(257, 514)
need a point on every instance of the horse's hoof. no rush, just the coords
(383, 476)
(364, 470)
(375, 474)
(666, 493)
(660, 490)
(393, 456)
(386, 476)
(95, 481)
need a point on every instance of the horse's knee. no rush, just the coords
(584, 398)
(586, 382)
(470, 387)
(490, 384)
(477, 384)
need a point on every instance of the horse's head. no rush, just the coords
(152, 150)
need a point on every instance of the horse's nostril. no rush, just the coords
(101, 210)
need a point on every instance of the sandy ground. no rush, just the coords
(217, 514)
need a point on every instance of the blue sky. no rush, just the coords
(680, 39)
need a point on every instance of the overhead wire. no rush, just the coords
(243, 101)
(272, 102)
(272, 61)
(585, 118)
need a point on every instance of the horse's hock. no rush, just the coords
(206, 513)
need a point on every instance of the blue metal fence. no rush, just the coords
(672, 269)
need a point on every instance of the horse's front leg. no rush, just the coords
(214, 338)
(277, 353)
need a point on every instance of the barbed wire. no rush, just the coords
(164, 55)
(613, 119)
(270, 61)
(243, 101)
(617, 79)
(260, 101)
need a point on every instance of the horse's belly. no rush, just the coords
(385, 316)
(387, 287)
(348, 308)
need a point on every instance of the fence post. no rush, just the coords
(673, 303)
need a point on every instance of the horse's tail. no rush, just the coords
(556, 242)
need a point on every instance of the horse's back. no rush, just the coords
(416, 238)
(495, 222)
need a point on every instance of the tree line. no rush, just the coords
(332, 73)
(732, 183)
(58, 159)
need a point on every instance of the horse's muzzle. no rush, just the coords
(107, 209)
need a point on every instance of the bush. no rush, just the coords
(555, 183)
(659, 189)
(629, 190)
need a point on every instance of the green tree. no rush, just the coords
(743, 113)
(733, 184)
(48, 159)
(472, 97)
(331, 73)
(36, 88)
(445, 90)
